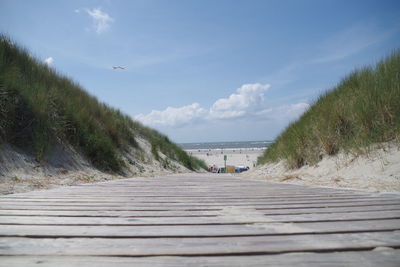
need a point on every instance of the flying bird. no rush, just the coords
(118, 67)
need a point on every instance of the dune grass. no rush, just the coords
(362, 110)
(38, 107)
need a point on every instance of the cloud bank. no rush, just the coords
(172, 116)
(247, 102)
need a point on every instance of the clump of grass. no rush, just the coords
(362, 110)
(39, 107)
(161, 143)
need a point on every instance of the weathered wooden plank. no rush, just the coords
(147, 212)
(199, 215)
(61, 198)
(210, 202)
(312, 210)
(187, 202)
(186, 198)
(248, 229)
(134, 193)
(214, 189)
(51, 220)
(196, 246)
(108, 213)
(213, 186)
(155, 201)
(380, 257)
(204, 185)
(156, 207)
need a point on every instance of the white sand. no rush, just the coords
(19, 171)
(378, 170)
(235, 157)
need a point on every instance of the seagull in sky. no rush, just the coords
(118, 67)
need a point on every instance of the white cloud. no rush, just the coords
(172, 116)
(249, 97)
(49, 61)
(247, 102)
(101, 20)
(179, 116)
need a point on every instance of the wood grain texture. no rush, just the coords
(217, 220)
(385, 257)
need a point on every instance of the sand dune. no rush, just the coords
(378, 170)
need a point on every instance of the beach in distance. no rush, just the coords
(377, 170)
(243, 153)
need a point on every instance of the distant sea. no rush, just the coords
(256, 145)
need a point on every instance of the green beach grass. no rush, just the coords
(361, 111)
(39, 107)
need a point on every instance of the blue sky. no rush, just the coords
(206, 70)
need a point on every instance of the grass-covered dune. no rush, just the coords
(361, 111)
(39, 108)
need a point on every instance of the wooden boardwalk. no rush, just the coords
(199, 220)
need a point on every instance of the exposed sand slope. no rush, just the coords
(377, 170)
(20, 172)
